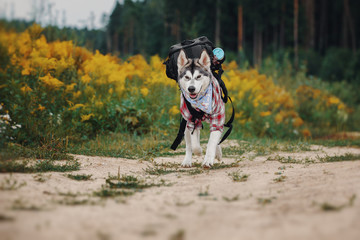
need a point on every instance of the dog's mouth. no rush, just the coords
(193, 95)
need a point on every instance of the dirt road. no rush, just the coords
(275, 198)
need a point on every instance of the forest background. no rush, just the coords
(292, 67)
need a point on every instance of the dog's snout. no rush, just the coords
(191, 89)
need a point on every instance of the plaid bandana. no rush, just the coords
(216, 117)
(204, 103)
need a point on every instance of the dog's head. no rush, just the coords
(194, 75)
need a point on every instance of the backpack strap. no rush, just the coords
(221, 83)
(229, 123)
(180, 134)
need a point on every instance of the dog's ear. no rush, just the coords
(205, 59)
(182, 60)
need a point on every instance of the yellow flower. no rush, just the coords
(306, 133)
(25, 71)
(26, 89)
(41, 108)
(174, 110)
(298, 122)
(70, 87)
(144, 91)
(51, 82)
(264, 114)
(77, 94)
(86, 117)
(333, 100)
(76, 106)
(85, 79)
(278, 117)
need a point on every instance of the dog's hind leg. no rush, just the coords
(188, 151)
(195, 142)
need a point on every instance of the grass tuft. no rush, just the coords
(280, 179)
(10, 184)
(340, 158)
(79, 177)
(237, 177)
(46, 165)
(233, 199)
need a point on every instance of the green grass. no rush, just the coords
(41, 177)
(123, 145)
(125, 185)
(280, 179)
(4, 218)
(337, 143)
(79, 177)
(330, 207)
(157, 170)
(265, 201)
(184, 204)
(9, 184)
(340, 158)
(237, 177)
(50, 149)
(204, 193)
(26, 166)
(233, 199)
(217, 166)
(179, 235)
(283, 159)
(110, 193)
(131, 182)
(265, 146)
(21, 205)
(76, 202)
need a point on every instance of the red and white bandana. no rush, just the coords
(216, 118)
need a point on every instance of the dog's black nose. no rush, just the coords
(191, 89)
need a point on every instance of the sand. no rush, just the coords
(259, 208)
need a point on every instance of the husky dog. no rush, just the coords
(200, 88)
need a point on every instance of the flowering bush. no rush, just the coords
(58, 88)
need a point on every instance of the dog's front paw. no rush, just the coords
(208, 161)
(197, 151)
(186, 163)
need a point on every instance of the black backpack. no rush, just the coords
(193, 49)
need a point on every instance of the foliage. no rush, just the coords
(56, 90)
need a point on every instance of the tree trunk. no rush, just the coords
(240, 28)
(282, 27)
(257, 46)
(217, 23)
(275, 39)
(310, 22)
(323, 28)
(296, 48)
(108, 40)
(126, 42)
(344, 39)
(178, 34)
(350, 24)
(115, 46)
(131, 37)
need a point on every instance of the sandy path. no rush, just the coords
(264, 209)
